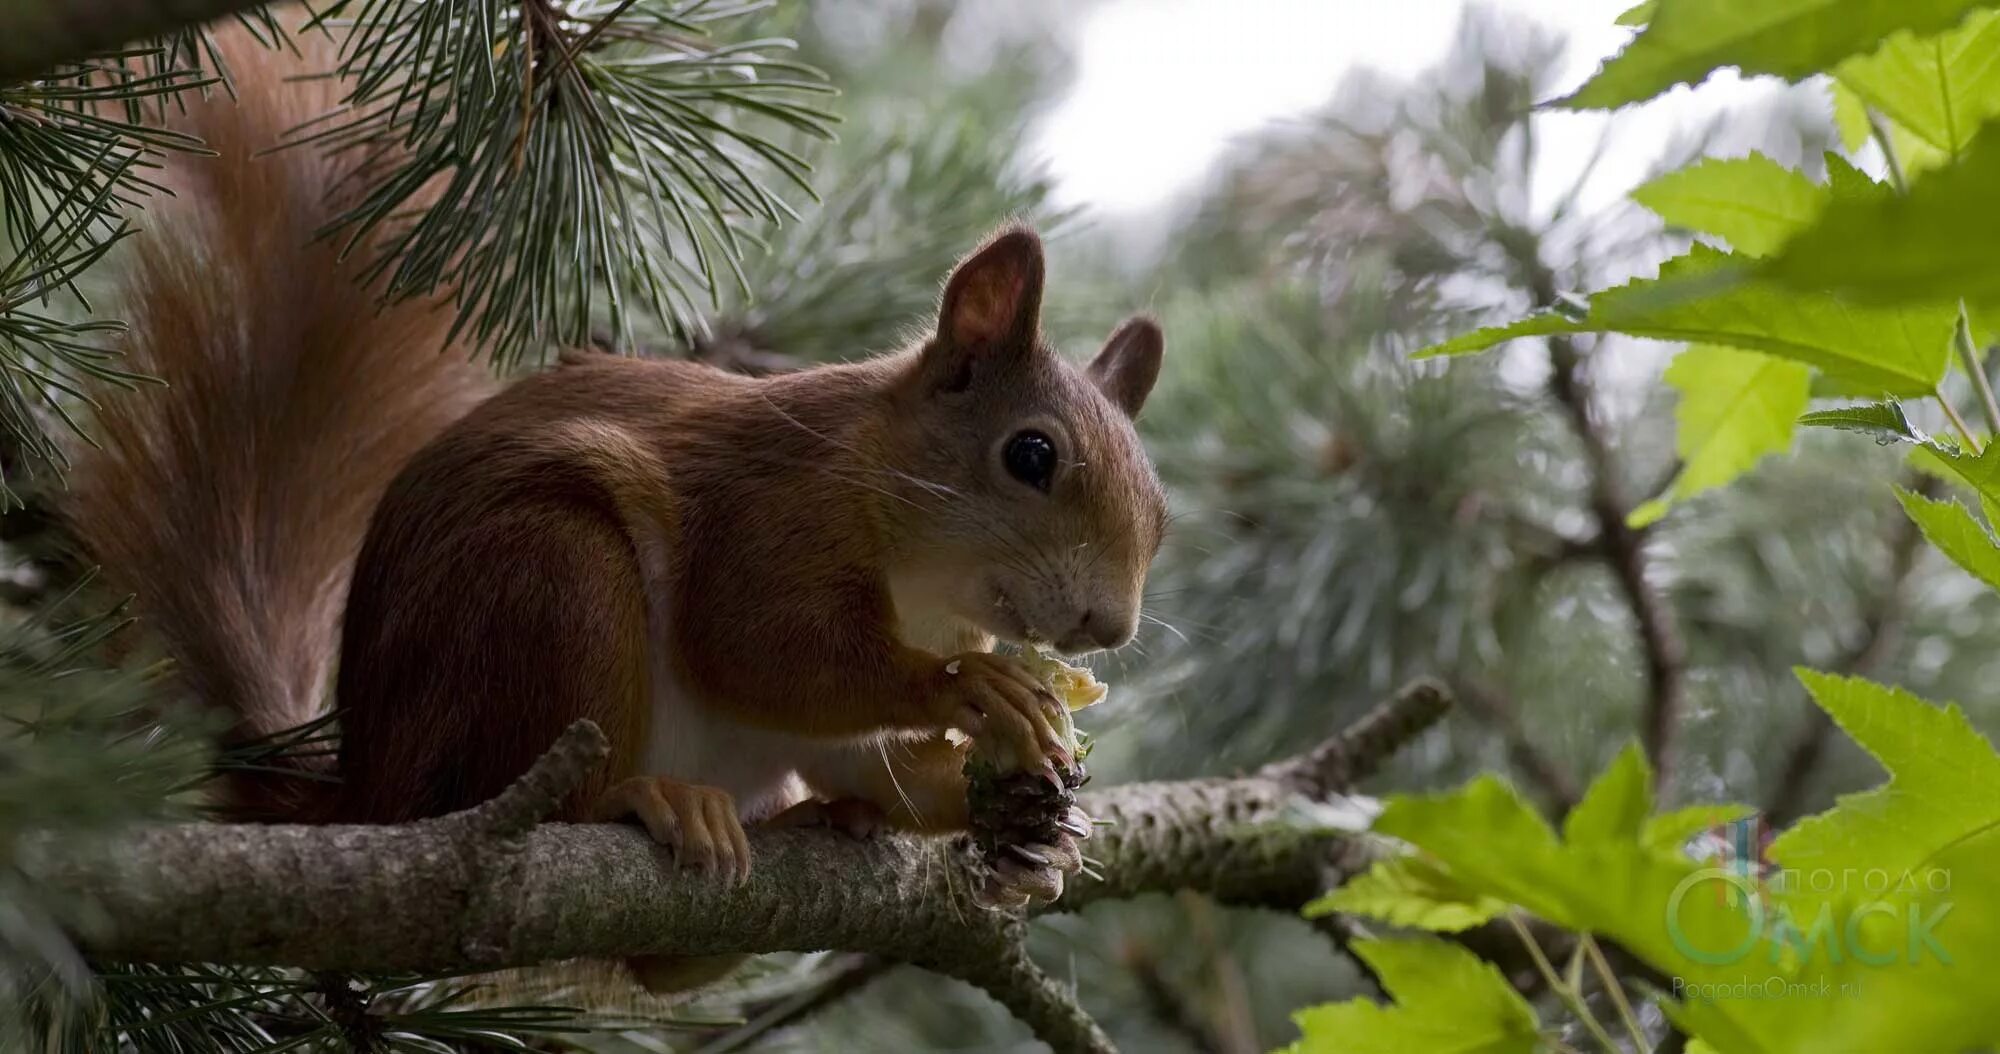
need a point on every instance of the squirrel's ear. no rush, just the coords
(1129, 364)
(992, 305)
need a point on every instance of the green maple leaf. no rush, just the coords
(1898, 351)
(1938, 88)
(1409, 891)
(1981, 472)
(1735, 407)
(1448, 1001)
(1668, 832)
(1685, 40)
(1752, 202)
(1944, 784)
(1857, 967)
(1931, 246)
(1617, 803)
(1886, 421)
(1956, 534)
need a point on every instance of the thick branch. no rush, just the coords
(486, 888)
(42, 34)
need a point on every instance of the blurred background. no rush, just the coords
(1304, 192)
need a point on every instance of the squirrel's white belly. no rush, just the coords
(689, 743)
(762, 769)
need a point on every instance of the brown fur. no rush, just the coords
(233, 499)
(760, 589)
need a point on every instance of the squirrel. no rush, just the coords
(774, 595)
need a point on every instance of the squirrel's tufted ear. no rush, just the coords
(992, 306)
(1129, 364)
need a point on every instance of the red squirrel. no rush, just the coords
(770, 593)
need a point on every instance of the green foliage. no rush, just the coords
(1447, 999)
(83, 748)
(1887, 421)
(1685, 40)
(1944, 786)
(1870, 926)
(74, 149)
(1938, 88)
(1858, 874)
(1753, 202)
(1412, 892)
(1898, 350)
(900, 205)
(1736, 407)
(1956, 534)
(595, 157)
(1925, 247)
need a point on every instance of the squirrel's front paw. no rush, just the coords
(1031, 873)
(698, 823)
(1010, 714)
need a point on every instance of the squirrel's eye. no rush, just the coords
(1031, 458)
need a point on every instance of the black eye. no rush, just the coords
(1031, 458)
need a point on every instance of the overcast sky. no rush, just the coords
(1163, 85)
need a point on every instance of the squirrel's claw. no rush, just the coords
(697, 822)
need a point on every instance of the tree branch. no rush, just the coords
(1622, 547)
(1558, 789)
(489, 888)
(42, 34)
(771, 1015)
(1881, 631)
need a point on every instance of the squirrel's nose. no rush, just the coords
(1098, 629)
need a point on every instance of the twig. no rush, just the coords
(1588, 946)
(1168, 1005)
(1957, 423)
(1968, 356)
(1335, 766)
(1570, 997)
(1049, 1009)
(1343, 931)
(851, 977)
(1557, 787)
(1618, 544)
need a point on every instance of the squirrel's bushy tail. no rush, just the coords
(232, 501)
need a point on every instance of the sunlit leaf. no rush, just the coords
(1447, 999)
(1944, 783)
(1685, 40)
(1615, 807)
(1885, 421)
(1898, 351)
(1735, 408)
(1409, 891)
(1956, 534)
(1932, 246)
(1939, 88)
(1752, 202)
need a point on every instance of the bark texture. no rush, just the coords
(493, 887)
